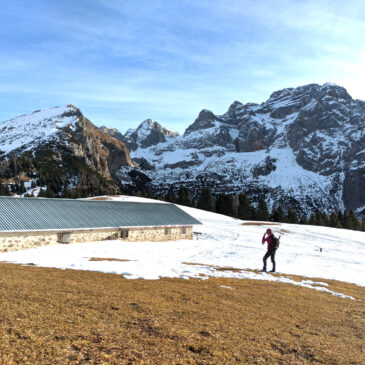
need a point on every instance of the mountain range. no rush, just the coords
(303, 148)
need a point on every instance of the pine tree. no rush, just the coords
(206, 201)
(245, 208)
(291, 216)
(352, 222)
(235, 204)
(22, 188)
(303, 220)
(324, 220)
(224, 205)
(277, 214)
(262, 211)
(170, 197)
(312, 220)
(184, 197)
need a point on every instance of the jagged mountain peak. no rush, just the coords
(312, 90)
(302, 147)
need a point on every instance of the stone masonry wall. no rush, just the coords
(12, 241)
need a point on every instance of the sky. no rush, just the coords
(124, 61)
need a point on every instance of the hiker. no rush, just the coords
(270, 249)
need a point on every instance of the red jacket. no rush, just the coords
(268, 239)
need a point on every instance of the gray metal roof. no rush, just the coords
(34, 214)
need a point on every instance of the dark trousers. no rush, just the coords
(271, 254)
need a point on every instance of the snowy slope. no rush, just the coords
(302, 148)
(220, 242)
(28, 131)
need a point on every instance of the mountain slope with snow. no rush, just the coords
(303, 148)
(311, 251)
(27, 131)
(60, 149)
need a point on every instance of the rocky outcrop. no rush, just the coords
(100, 151)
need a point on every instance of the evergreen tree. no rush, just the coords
(4, 190)
(351, 221)
(245, 208)
(235, 204)
(291, 216)
(303, 220)
(312, 220)
(170, 197)
(333, 220)
(22, 188)
(324, 220)
(262, 211)
(224, 205)
(277, 214)
(184, 197)
(206, 201)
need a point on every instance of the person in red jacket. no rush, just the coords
(270, 249)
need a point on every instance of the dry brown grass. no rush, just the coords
(108, 259)
(260, 224)
(218, 268)
(101, 198)
(50, 316)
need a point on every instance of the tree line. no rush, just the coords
(240, 206)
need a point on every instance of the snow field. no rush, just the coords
(220, 242)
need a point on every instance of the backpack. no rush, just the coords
(275, 242)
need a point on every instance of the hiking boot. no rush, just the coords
(263, 270)
(272, 270)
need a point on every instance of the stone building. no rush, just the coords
(32, 222)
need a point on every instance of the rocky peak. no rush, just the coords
(113, 132)
(204, 121)
(148, 133)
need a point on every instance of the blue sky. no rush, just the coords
(124, 61)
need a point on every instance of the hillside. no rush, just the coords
(79, 317)
(60, 150)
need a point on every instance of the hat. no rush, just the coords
(268, 230)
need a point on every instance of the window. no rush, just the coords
(124, 233)
(63, 237)
(168, 231)
(183, 230)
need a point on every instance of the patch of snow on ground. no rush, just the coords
(219, 242)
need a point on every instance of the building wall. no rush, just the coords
(22, 240)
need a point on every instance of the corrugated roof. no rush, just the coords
(34, 214)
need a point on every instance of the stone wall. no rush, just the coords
(12, 241)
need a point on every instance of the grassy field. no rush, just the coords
(50, 316)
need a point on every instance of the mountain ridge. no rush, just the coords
(302, 148)
(312, 134)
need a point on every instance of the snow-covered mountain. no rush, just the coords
(304, 148)
(62, 149)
